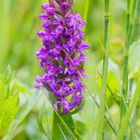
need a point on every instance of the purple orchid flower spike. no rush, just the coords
(62, 56)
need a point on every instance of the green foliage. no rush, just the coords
(113, 83)
(129, 113)
(80, 128)
(11, 114)
(8, 101)
(22, 112)
(7, 113)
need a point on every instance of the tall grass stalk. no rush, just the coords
(110, 122)
(125, 69)
(129, 26)
(105, 69)
(128, 113)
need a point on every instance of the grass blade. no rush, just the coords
(128, 113)
(105, 69)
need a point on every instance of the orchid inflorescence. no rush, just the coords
(62, 56)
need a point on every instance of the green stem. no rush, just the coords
(63, 127)
(125, 70)
(129, 26)
(56, 132)
(129, 113)
(105, 68)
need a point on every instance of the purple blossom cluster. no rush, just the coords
(62, 56)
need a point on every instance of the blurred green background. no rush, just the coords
(19, 24)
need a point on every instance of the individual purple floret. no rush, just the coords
(62, 56)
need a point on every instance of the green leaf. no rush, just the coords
(43, 121)
(8, 110)
(69, 121)
(9, 75)
(40, 121)
(67, 127)
(134, 57)
(5, 84)
(80, 127)
(8, 101)
(23, 111)
(112, 66)
(113, 81)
